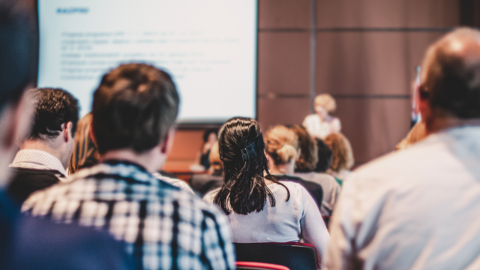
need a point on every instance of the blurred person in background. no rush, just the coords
(44, 156)
(323, 123)
(28, 243)
(418, 208)
(259, 207)
(202, 161)
(283, 152)
(342, 159)
(305, 166)
(204, 183)
(134, 111)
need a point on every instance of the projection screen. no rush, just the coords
(208, 46)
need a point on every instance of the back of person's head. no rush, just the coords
(134, 108)
(281, 144)
(85, 152)
(54, 109)
(342, 158)
(451, 74)
(326, 101)
(242, 151)
(18, 49)
(307, 161)
(324, 156)
(214, 157)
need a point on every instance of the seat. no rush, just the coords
(295, 256)
(259, 266)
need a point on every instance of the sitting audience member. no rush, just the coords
(417, 134)
(282, 153)
(27, 243)
(307, 163)
(204, 183)
(259, 207)
(163, 227)
(342, 159)
(85, 152)
(418, 208)
(322, 123)
(325, 159)
(44, 156)
(202, 161)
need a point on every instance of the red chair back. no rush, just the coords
(295, 256)
(259, 266)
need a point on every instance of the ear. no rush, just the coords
(167, 143)
(423, 105)
(67, 131)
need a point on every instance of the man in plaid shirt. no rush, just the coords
(163, 227)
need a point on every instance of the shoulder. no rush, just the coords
(210, 196)
(312, 117)
(175, 182)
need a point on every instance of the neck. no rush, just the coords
(151, 160)
(443, 123)
(53, 147)
(282, 169)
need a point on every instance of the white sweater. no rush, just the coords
(292, 220)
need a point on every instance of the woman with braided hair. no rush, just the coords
(259, 207)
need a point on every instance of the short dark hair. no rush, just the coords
(242, 151)
(308, 150)
(133, 108)
(453, 79)
(324, 156)
(18, 49)
(53, 107)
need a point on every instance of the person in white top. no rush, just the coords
(342, 158)
(259, 207)
(322, 123)
(419, 208)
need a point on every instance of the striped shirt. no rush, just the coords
(162, 226)
(38, 160)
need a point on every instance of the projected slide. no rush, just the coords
(208, 46)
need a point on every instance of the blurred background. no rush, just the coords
(362, 52)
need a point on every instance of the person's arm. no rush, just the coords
(217, 247)
(314, 231)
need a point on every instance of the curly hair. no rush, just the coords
(342, 158)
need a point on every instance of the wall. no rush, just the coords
(363, 52)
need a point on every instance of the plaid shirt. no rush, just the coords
(162, 226)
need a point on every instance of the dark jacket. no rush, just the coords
(26, 181)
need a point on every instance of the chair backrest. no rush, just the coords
(259, 266)
(295, 256)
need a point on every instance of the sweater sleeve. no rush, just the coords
(314, 231)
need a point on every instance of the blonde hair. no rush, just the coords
(214, 158)
(281, 144)
(327, 101)
(342, 158)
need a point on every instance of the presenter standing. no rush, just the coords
(322, 123)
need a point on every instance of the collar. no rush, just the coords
(37, 159)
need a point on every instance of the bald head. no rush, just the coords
(451, 75)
